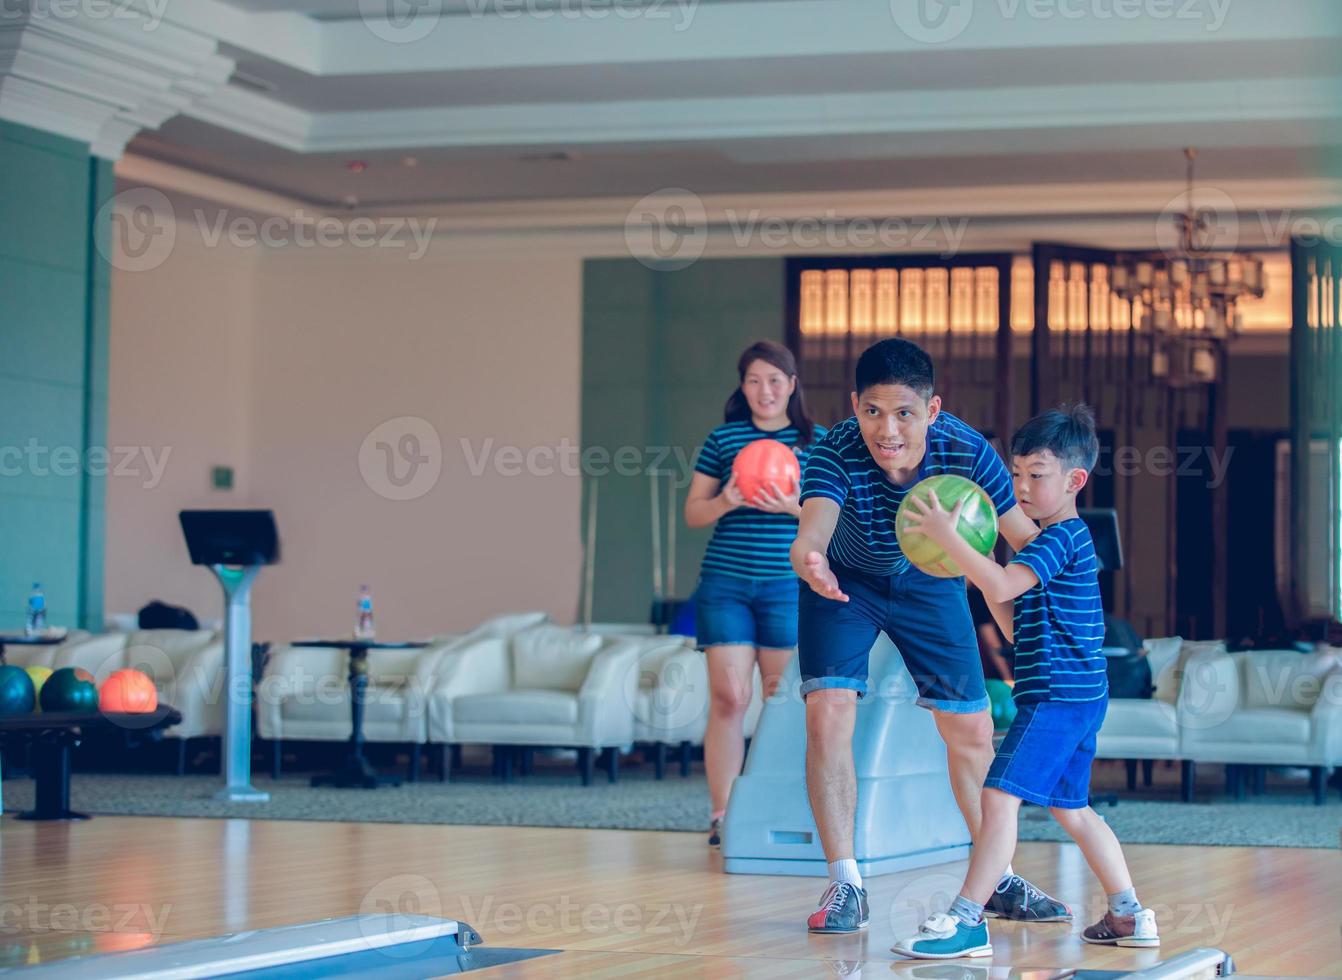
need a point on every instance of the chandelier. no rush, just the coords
(1186, 295)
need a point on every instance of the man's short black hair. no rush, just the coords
(1067, 432)
(895, 362)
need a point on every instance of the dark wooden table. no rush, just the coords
(53, 734)
(24, 640)
(356, 772)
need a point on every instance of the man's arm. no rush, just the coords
(1018, 529)
(819, 517)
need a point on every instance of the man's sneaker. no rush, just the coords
(945, 937)
(843, 908)
(1124, 930)
(715, 833)
(1015, 898)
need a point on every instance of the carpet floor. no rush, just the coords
(639, 802)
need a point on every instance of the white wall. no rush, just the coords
(477, 347)
(179, 384)
(279, 362)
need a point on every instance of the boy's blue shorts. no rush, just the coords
(1046, 755)
(927, 618)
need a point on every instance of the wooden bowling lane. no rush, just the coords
(619, 903)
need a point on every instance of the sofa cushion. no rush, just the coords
(523, 706)
(1162, 653)
(332, 704)
(1282, 678)
(1284, 725)
(552, 658)
(1131, 718)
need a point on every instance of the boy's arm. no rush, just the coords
(1003, 615)
(1018, 529)
(998, 584)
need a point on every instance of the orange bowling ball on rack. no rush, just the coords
(128, 691)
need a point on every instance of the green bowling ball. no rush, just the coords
(70, 689)
(1001, 705)
(17, 696)
(978, 523)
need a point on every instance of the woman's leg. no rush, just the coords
(772, 664)
(731, 669)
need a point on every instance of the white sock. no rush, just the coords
(845, 870)
(1006, 874)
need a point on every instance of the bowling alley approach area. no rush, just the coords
(697, 489)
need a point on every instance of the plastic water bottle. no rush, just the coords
(36, 620)
(364, 631)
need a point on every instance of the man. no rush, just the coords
(860, 583)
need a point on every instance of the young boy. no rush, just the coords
(858, 583)
(1061, 692)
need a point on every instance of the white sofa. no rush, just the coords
(186, 666)
(547, 686)
(1148, 729)
(672, 703)
(304, 692)
(1267, 708)
(1244, 710)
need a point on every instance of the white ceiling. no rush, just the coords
(750, 96)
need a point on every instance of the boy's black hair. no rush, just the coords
(895, 362)
(1067, 432)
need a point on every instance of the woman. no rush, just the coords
(746, 602)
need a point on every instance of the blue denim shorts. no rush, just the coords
(758, 612)
(926, 617)
(1046, 755)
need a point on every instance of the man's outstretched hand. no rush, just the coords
(817, 574)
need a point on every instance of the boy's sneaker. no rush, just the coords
(1015, 898)
(945, 937)
(715, 833)
(1124, 930)
(843, 908)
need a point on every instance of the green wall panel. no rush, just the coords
(659, 360)
(54, 299)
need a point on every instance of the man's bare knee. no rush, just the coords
(830, 714)
(965, 732)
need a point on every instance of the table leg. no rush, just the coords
(356, 772)
(52, 770)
